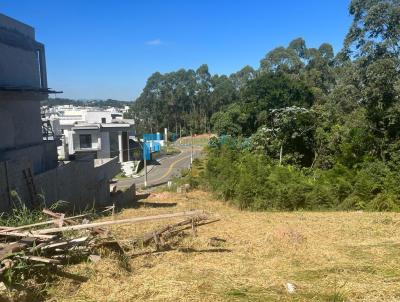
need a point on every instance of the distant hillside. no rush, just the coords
(92, 103)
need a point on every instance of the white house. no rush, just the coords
(91, 130)
(101, 140)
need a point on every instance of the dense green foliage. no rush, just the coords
(308, 129)
(252, 180)
(186, 99)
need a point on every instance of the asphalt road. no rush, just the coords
(163, 170)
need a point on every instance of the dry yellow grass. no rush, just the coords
(336, 256)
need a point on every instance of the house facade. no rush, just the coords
(101, 140)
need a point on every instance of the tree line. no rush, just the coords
(84, 103)
(185, 100)
(315, 127)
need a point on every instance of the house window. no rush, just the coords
(103, 120)
(85, 141)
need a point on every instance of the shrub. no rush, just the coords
(254, 181)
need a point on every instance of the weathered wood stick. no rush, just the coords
(40, 259)
(70, 221)
(173, 232)
(59, 216)
(150, 235)
(114, 222)
(28, 234)
(16, 247)
(4, 229)
(66, 243)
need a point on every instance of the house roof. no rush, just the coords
(86, 127)
(96, 126)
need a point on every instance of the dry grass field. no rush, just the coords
(330, 256)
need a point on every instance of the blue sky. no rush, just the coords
(107, 49)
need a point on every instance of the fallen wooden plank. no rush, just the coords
(172, 230)
(60, 222)
(66, 243)
(60, 215)
(4, 229)
(70, 221)
(150, 235)
(40, 259)
(114, 222)
(16, 247)
(28, 234)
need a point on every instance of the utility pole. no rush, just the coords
(180, 134)
(191, 153)
(145, 167)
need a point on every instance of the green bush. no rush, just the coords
(254, 181)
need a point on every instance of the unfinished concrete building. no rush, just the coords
(28, 159)
(23, 84)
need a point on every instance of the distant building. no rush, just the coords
(101, 139)
(83, 130)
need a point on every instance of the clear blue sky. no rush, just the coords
(107, 49)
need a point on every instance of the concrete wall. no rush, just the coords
(96, 116)
(21, 131)
(17, 26)
(19, 63)
(41, 156)
(81, 183)
(104, 152)
(20, 121)
(12, 179)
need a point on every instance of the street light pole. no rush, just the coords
(145, 164)
(145, 172)
(191, 153)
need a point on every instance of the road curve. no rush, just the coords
(164, 170)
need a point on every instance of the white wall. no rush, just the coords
(96, 116)
(74, 142)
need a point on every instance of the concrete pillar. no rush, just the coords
(120, 148)
(42, 65)
(129, 153)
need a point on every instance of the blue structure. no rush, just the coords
(151, 144)
(146, 151)
(174, 137)
(152, 137)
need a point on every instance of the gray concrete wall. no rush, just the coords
(15, 25)
(79, 182)
(19, 64)
(41, 157)
(20, 121)
(104, 151)
(12, 179)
